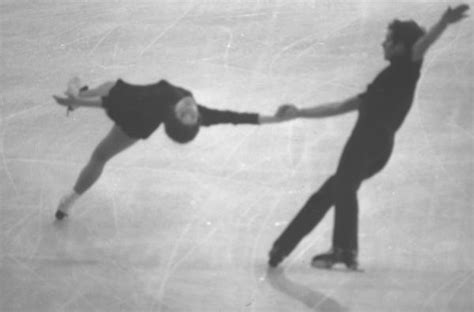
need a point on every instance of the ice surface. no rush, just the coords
(188, 228)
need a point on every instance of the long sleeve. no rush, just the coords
(211, 117)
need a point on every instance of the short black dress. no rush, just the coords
(140, 109)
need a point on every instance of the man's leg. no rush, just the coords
(346, 214)
(346, 182)
(353, 169)
(306, 219)
(357, 164)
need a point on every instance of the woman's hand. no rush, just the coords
(287, 112)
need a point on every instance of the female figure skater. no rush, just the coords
(137, 111)
(382, 109)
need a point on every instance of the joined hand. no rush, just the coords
(286, 111)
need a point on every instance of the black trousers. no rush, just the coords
(366, 153)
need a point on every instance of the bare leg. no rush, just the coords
(115, 142)
(101, 90)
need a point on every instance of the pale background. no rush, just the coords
(188, 228)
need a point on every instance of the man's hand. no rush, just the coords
(455, 15)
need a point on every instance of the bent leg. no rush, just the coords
(115, 142)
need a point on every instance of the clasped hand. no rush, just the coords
(286, 112)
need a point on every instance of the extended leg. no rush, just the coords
(115, 142)
(306, 219)
(101, 90)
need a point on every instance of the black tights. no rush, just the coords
(365, 154)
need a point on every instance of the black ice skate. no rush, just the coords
(276, 256)
(60, 215)
(336, 255)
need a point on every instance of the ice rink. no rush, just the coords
(188, 228)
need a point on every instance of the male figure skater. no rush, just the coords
(382, 109)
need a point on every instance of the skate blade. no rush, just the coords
(60, 215)
(329, 267)
(322, 265)
(357, 270)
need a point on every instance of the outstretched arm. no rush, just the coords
(287, 112)
(211, 117)
(266, 119)
(450, 16)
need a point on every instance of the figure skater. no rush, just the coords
(382, 109)
(137, 111)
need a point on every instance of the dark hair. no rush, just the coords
(406, 32)
(179, 132)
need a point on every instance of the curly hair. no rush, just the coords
(406, 32)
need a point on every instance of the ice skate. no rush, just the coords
(60, 215)
(73, 87)
(276, 255)
(334, 256)
(65, 205)
(63, 208)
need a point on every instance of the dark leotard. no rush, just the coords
(140, 109)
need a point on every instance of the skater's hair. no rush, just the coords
(179, 132)
(406, 32)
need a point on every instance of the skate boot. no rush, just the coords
(60, 215)
(276, 255)
(65, 204)
(73, 87)
(336, 255)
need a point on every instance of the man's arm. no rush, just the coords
(330, 109)
(286, 112)
(450, 16)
